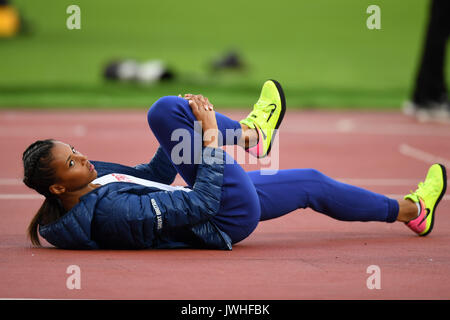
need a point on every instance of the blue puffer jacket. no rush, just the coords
(123, 215)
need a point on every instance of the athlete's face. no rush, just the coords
(73, 170)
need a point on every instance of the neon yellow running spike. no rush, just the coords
(266, 117)
(428, 195)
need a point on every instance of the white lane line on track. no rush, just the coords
(29, 196)
(380, 182)
(400, 196)
(20, 196)
(345, 125)
(42, 130)
(354, 181)
(10, 182)
(421, 155)
(42, 299)
(349, 126)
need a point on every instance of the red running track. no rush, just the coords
(304, 255)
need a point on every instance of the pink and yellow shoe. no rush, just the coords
(266, 117)
(428, 195)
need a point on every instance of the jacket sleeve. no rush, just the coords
(160, 168)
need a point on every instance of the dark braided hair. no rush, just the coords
(39, 175)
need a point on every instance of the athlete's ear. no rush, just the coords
(57, 189)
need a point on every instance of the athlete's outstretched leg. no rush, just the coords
(292, 189)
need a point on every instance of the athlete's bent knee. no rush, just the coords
(161, 110)
(165, 108)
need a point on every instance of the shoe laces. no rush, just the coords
(423, 188)
(262, 106)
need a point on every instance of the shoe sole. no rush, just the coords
(444, 173)
(280, 118)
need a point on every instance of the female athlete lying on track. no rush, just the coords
(93, 204)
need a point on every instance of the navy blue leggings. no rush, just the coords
(250, 197)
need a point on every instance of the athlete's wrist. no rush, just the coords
(210, 137)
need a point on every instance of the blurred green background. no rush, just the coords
(321, 51)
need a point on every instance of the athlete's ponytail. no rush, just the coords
(39, 175)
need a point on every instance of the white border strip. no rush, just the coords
(10, 182)
(18, 130)
(350, 126)
(381, 182)
(21, 196)
(30, 196)
(421, 155)
(401, 196)
(356, 181)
